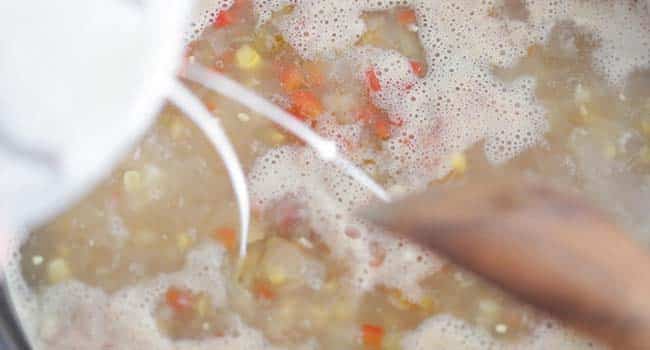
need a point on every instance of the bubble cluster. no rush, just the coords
(204, 13)
(458, 103)
(447, 332)
(73, 315)
(622, 29)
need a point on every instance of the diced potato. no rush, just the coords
(132, 180)
(501, 328)
(244, 117)
(58, 271)
(285, 262)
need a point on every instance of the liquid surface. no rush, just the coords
(418, 95)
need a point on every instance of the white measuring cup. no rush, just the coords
(82, 80)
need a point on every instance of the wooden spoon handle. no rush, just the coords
(547, 247)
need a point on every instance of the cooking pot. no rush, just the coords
(53, 159)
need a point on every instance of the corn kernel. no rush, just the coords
(37, 260)
(247, 58)
(201, 305)
(645, 127)
(276, 277)
(243, 117)
(489, 307)
(58, 271)
(459, 163)
(183, 241)
(427, 303)
(501, 328)
(278, 137)
(132, 181)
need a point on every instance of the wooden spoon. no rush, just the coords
(545, 246)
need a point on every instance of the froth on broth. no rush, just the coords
(417, 93)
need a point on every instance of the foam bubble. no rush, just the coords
(73, 315)
(446, 332)
(203, 14)
(457, 104)
(329, 198)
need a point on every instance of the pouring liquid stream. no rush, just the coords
(327, 150)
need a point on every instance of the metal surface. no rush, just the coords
(11, 335)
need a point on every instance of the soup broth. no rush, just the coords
(418, 94)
